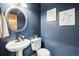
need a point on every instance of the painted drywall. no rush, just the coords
(33, 27)
(60, 40)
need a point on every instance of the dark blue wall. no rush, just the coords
(60, 40)
(33, 27)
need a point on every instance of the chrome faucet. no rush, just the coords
(19, 38)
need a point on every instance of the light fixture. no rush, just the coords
(19, 4)
(10, 4)
(23, 5)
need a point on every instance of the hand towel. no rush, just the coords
(5, 29)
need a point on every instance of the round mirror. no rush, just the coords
(16, 18)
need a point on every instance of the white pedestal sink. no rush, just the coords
(17, 47)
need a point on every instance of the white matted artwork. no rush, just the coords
(67, 17)
(51, 15)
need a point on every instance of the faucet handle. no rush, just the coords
(22, 36)
(19, 37)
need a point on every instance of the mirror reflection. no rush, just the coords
(16, 18)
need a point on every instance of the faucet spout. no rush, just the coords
(19, 38)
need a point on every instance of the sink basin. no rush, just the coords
(14, 46)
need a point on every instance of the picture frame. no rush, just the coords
(67, 17)
(51, 15)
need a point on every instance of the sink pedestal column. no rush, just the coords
(19, 53)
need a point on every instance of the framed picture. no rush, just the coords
(51, 15)
(67, 17)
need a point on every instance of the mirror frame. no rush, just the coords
(21, 9)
